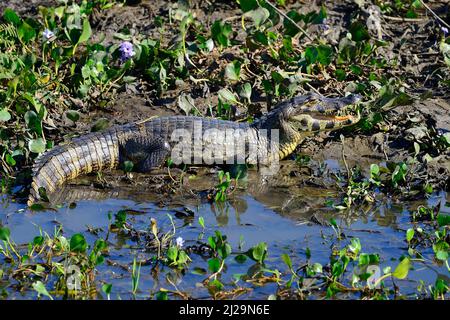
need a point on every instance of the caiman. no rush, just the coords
(148, 144)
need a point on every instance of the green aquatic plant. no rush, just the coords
(176, 256)
(223, 187)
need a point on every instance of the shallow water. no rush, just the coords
(279, 217)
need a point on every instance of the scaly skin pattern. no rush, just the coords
(148, 144)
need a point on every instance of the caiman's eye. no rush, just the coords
(304, 123)
(320, 109)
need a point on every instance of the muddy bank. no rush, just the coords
(393, 139)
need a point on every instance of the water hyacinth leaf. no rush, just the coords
(33, 122)
(59, 11)
(374, 171)
(324, 54)
(259, 252)
(216, 284)
(214, 265)
(86, 33)
(317, 268)
(233, 71)
(100, 245)
(97, 260)
(441, 250)
(224, 251)
(73, 115)
(36, 145)
(162, 296)
(337, 269)
(442, 255)
(26, 32)
(409, 234)
(290, 28)
(172, 253)
(10, 160)
(78, 243)
(4, 233)
(39, 287)
(399, 173)
(30, 117)
(246, 91)
(333, 222)
(258, 15)
(39, 107)
(106, 288)
(401, 271)
(340, 74)
(11, 16)
(100, 124)
(227, 96)
(240, 258)
(208, 45)
(183, 258)
(121, 218)
(247, 5)
(359, 32)
(38, 241)
(311, 54)
(220, 32)
(355, 246)
(4, 115)
(367, 259)
(186, 103)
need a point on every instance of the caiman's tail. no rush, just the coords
(92, 152)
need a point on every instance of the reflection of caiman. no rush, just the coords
(148, 144)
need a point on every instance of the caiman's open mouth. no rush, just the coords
(333, 117)
(343, 118)
(348, 114)
(316, 121)
(337, 110)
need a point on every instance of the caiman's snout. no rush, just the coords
(323, 114)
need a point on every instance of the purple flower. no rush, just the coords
(180, 242)
(445, 31)
(324, 26)
(48, 35)
(126, 51)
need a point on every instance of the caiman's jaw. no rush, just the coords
(325, 114)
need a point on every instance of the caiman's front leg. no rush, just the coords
(146, 153)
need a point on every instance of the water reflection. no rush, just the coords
(289, 218)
